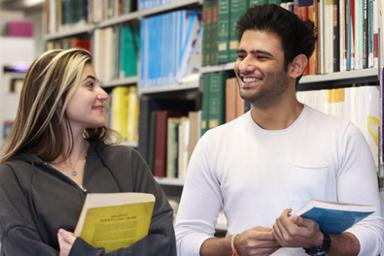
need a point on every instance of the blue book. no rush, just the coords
(334, 218)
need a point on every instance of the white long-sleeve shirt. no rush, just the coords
(253, 174)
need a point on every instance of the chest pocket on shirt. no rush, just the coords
(305, 183)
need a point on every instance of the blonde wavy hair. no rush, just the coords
(41, 127)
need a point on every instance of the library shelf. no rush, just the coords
(168, 88)
(70, 32)
(343, 75)
(119, 19)
(217, 68)
(167, 7)
(124, 81)
(169, 181)
(339, 79)
(319, 81)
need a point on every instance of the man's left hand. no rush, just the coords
(295, 231)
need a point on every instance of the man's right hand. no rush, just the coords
(257, 241)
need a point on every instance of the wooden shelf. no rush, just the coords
(70, 32)
(125, 81)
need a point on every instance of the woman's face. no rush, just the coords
(88, 106)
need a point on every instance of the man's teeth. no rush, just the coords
(249, 79)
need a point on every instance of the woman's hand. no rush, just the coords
(66, 241)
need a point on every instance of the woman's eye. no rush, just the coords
(90, 84)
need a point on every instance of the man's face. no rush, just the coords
(260, 68)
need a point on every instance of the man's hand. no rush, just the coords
(295, 231)
(66, 240)
(256, 241)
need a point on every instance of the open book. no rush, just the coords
(334, 218)
(115, 220)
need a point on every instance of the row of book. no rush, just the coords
(124, 112)
(116, 52)
(174, 134)
(108, 9)
(348, 34)
(347, 30)
(62, 15)
(220, 38)
(172, 138)
(361, 105)
(169, 47)
(83, 42)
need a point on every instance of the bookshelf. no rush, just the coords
(113, 83)
(13, 63)
(170, 88)
(322, 75)
(88, 29)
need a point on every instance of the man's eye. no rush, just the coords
(262, 57)
(241, 56)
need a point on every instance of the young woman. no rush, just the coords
(59, 150)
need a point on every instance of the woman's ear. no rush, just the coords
(297, 66)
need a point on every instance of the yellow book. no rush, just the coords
(119, 110)
(115, 220)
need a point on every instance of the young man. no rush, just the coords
(276, 157)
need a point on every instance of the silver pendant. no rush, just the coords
(74, 172)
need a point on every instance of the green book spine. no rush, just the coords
(132, 51)
(223, 31)
(257, 2)
(238, 8)
(216, 104)
(123, 51)
(278, 2)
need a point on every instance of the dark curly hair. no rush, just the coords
(297, 36)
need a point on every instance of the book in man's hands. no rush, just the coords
(115, 220)
(334, 218)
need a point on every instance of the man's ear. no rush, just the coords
(297, 66)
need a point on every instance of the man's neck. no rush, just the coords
(278, 116)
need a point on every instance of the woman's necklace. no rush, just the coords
(74, 172)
